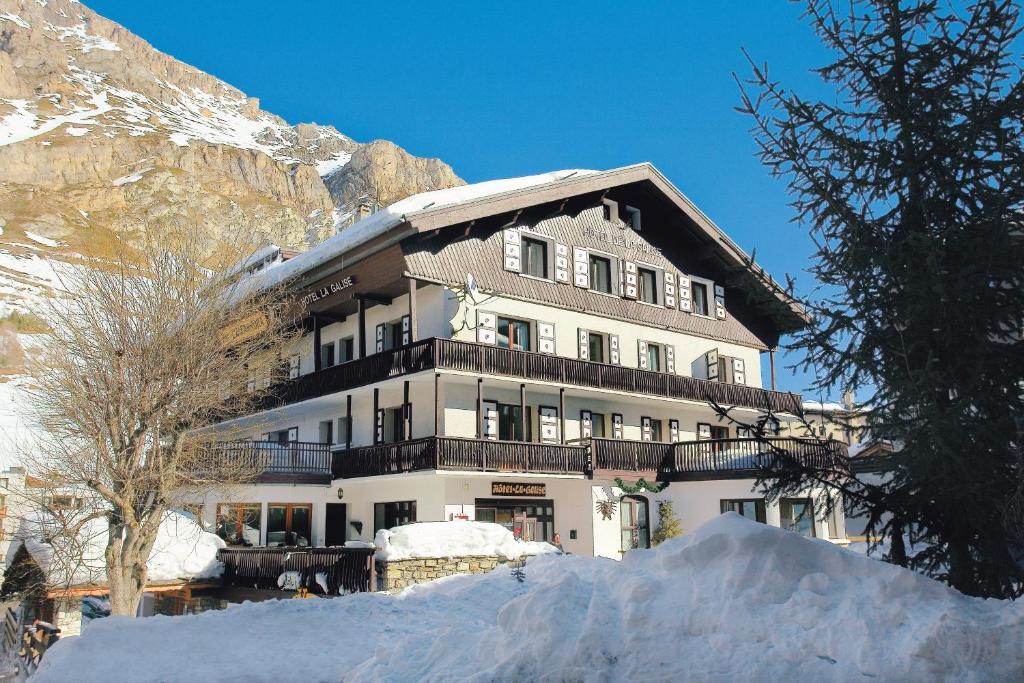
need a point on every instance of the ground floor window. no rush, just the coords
(636, 523)
(511, 425)
(239, 523)
(797, 514)
(530, 520)
(289, 524)
(388, 515)
(751, 508)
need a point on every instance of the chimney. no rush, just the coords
(363, 210)
(848, 401)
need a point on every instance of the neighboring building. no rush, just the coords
(504, 352)
(843, 422)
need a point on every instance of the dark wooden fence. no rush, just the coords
(637, 456)
(351, 570)
(483, 359)
(741, 458)
(292, 462)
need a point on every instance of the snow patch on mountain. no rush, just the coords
(15, 19)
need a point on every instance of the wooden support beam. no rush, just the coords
(437, 404)
(318, 361)
(376, 409)
(412, 311)
(406, 412)
(480, 408)
(361, 327)
(348, 421)
(522, 412)
(561, 415)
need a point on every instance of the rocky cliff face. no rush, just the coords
(102, 135)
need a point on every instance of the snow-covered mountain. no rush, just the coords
(103, 135)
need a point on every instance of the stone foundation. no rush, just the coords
(397, 574)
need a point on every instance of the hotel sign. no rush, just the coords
(511, 488)
(328, 290)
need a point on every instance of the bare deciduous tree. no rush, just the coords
(144, 351)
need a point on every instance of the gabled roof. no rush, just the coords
(430, 211)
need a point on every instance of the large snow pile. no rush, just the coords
(182, 551)
(454, 539)
(735, 600)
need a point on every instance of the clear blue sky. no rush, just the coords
(509, 89)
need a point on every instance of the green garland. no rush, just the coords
(641, 486)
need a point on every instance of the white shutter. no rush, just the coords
(738, 375)
(485, 327)
(670, 359)
(744, 433)
(584, 345)
(379, 344)
(293, 366)
(630, 290)
(641, 350)
(621, 268)
(720, 302)
(703, 431)
(490, 420)
(293, 434)
(712, 360)
(562, 264)
(378, 432)
(614, 357)
(513, 250)
(406, 329)
(616, 425)
(581, 268)
(548, 424)
(645, 429)
(685, 295)
(673, 430)
(670, 290)
(546, 338)
(586, 424)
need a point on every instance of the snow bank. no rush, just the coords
(453, 539)
(182, 551)
(735, 600)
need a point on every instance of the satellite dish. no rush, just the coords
(472, 289)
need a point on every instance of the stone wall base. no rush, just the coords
(398, 574)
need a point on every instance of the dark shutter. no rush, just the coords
(406, 329)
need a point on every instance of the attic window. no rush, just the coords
(630, 216)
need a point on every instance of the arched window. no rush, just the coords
(636, 523)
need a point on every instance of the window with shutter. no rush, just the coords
(738, 374)
(562, 264)
(720, 302)
(670, 290)
(406, 329)
(513, 246)
(379, 337)
(631, 290)
(293, 366)
(548, 424)
(546, 338)
(646, 430)
(581, 268)
(685, 294)
(712, 363)
(491, 420)
(534, 260)
(670, 359)
(616, 425)
(673, 430)
(378, 432)
(641, 352)
(293, 434)
(614, 356)
(703, 431)
(485, 327)
(584, 345)
(600, 269)
(586, 424)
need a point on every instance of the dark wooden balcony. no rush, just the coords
(347, 569)
(450, 453)
(298, 462)
(481, 359)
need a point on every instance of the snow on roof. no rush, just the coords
(376, 224)
(822, 407)
(182, 551)
(734, 600)
(454, 539)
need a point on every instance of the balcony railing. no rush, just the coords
(481, 359)
(298, 462)
(344, 569)
(682, 461)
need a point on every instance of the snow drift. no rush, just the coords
(735, 600)
(454, 539)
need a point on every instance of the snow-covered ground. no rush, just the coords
(454, 539)
(735, 600)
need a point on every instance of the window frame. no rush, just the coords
(659, 350)
(239, 511)
(760, 509)
(545, 243)
(602, 338)
(289, 509)
(531, 329)
(657, 276)
(809, 516)
(634, 503)
(409, 513)
(709, 296)
(596, 418)
(612, 270)
(326, 349)
(349, 345)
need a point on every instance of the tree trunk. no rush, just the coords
(125, 591)
(127, 555)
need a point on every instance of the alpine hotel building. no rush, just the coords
(507, 352)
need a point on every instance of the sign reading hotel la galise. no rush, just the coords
(513, 488)
(327, 290)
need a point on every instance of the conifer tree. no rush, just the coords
(668, 523)
(911, 183)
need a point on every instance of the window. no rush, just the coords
(393, 335)
(597, 425)
(656, 431)
(600, 274)
(534, 257)
(63, 502)
(327, 355)
(289, 524)
(700, 298)
(635, 523)
(510, 426)
(280, 436)
(648, 281)
(752, 508)
(797, 514)
(327, 431)
(654, 357)
(513, 334)
(390, 515)
(239, 524)
(719, 432)
(630, 216)
(343, 431)
(392, 424)
(595, 347)
(346, 348)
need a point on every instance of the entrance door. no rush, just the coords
(337, 520)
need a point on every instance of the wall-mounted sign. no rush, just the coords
(513, 488)
(623, 239)
(328, 290)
